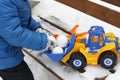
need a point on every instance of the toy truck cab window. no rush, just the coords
(97, 39)
(101, 40)
(94, 38)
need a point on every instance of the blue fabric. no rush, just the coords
(16, 31)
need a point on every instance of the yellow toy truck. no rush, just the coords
(100, 48)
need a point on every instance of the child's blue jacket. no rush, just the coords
(16, 31)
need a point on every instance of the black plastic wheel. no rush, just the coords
(108, 59)
(77, 61)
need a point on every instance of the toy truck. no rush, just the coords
(100, 48)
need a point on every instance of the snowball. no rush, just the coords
(62, 41)
(57, 50)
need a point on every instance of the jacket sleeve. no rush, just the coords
(33, 25)
(12, 31)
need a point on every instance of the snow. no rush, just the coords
(65, 72)
(72, 17)
(62, 41)
(52, 38)
(105, 4)
(115, 76)
(57, 50)
(38, 71)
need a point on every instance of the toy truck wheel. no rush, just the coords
(77, 61)
(108, 60)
